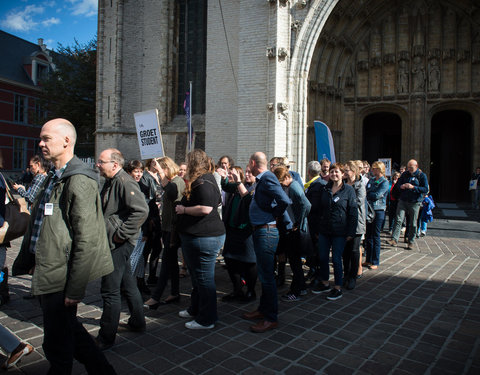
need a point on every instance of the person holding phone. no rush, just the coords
(39, 167)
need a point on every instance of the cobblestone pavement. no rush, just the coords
(419, 313)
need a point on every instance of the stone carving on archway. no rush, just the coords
(423, 55)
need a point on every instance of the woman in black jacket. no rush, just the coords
(337, 210)
(238, 250)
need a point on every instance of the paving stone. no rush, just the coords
(337, 369)
(298, 370)
(275, 363)
(419, 312)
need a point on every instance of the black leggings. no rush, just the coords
(236, 269)
(351, 257)
(169, 268)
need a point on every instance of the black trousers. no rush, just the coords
(291, 244)
(236, 269)
(169, 268)
(120, 281)
(65, 338)
(351, 257)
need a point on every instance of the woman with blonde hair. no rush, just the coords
(173, 186)
(202, 235)
(377, 192)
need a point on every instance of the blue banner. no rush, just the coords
(324, 141)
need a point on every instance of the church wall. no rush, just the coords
(135, 54)
(221, 114)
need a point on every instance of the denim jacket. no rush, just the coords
(377, 192)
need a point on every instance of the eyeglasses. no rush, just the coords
(101, 162)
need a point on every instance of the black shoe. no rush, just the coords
(290, 297)
(101, 344)
(248, 297)
(334, 294)
(321, 288)
(351, 284)
(28, 296)
(171, 299)
(153, 307)
(125, 327)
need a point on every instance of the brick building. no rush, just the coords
(392, 79)
(21, 68)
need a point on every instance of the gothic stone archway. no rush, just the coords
(411, 54)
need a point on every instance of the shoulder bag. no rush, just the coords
(17, 217)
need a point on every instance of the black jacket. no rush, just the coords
(333, 214)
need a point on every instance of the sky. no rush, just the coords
(56, 21)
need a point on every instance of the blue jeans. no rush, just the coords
(265, 241)
(372, 238)
(477, 199)
(337, 244)
(8, 341)
(200, 254)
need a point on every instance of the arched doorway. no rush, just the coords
(451, 150)
(382, 137)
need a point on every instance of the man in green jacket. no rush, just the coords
(125, 210)
(66, 246)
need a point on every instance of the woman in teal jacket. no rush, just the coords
(377, 192)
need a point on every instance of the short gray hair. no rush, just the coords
(117, 156)
(314, 168)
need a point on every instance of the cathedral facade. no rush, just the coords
(392, 79)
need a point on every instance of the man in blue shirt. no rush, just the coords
(268, 206)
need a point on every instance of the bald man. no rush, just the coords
(268, 205)
(412, 186)
(66, 244)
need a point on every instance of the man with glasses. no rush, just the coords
(412, 187)
(125, 210)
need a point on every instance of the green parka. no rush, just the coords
(72, 248)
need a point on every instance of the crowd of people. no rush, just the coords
(259, 219)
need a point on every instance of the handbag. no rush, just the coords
(370, 213)
(17, 217)
(473, 184)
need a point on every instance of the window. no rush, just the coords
(19, 153)
(192, 54)
(42, 72)
(20, 109)
(40, 113)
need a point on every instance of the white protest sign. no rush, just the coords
(388, 166)
(149, 135)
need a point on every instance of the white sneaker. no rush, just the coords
(184, 314)
(194, 325)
